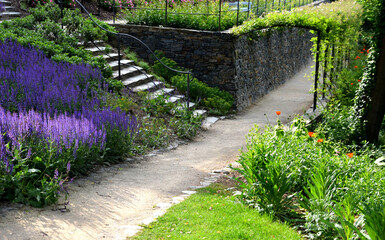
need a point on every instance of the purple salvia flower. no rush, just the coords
(56, 174)
(68, 167)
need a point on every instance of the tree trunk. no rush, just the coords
(376, 111)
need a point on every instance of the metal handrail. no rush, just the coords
(282, 4)
(119, 35)
(126, 64)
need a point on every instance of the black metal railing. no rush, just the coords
(125, 35)
(245, 8)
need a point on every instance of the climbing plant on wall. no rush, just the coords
(370, 98)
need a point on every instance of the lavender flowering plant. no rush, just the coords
(52, 122)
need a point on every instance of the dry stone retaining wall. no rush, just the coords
(247, 66)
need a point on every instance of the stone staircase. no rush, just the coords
(135, 78)
(7, 11)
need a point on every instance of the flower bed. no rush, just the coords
(52, 124)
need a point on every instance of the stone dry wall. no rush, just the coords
(266, 59)
(247, 66)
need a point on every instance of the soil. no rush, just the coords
(113, 202)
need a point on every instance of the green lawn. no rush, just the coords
(213, 214)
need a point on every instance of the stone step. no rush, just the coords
(175, 98)
(123, 64)
(138, 80)
(200, 112)
(160, 92)
(151, 86)
(184, 105)
(96, 51)
(90, 44)
(9, 8)
(10, 14)
(127, 72)
(5, 3)
(111, 57)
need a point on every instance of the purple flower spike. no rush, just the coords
(56, 174)
(68, 167)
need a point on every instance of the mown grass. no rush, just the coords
(213, 213)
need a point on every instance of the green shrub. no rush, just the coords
(160, 70)
(217, 101)
(325, 172)
(185, 123)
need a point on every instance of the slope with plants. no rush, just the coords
(323, 177)
(61, 113)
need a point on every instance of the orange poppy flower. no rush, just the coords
(320, 140)
(359, 80)
(311, 134)
(278, 113)
(351, 84)
(350, 155)
(355, 67)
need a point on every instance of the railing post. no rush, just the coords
(325, 70)
(119, 68)
(114, 11)
(332, 71)
(188, 91)
(61, 12)
(248, 9)
(165, 13)
(316, 70)
(265, 5)
(237, 12)
(219, 15)
(98, 7)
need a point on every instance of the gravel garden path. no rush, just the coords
(113, 201)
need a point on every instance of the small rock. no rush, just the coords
(189, 192)
(221, 171)
(176, 200)
(148, 221)
(163, 205)
(208, 122)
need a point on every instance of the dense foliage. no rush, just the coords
(367, 116)
(58, 37)
(204, 15)
(322, 177)
(290, 169)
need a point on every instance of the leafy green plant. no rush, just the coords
(268, 179)
(160, 70)
(217, 101)
(134, 57)
(345, 212)
(186, 123)
(321, 190)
